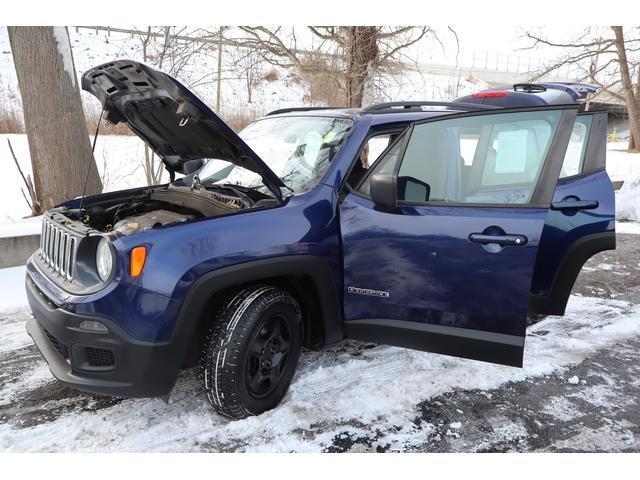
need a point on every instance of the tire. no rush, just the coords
(251, 352)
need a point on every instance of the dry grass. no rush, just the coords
(108, 128)
(237, 120)
(324, 80)
(10, 122)
(324, 89)
(270, 76)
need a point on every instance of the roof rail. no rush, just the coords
(390, 107)
(302, 109)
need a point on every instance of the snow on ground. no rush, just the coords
(12, 292)
(622, 165)
(119, 159)
(340, 391)
(628, 227)
(625, 166)
(21, 227)
(628, 199)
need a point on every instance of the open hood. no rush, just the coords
(175, 123)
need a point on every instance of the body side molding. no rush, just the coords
(459, 342)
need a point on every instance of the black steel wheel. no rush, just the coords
(268, 356)
(252, 351)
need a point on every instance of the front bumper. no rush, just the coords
(110, 363)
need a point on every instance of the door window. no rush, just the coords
(577, 147)
(369, 154)
(489, 158)
(385, 164)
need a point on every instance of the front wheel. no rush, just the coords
(252, 351)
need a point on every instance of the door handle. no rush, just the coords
(575, 205)
(507, 239)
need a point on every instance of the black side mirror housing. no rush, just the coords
(384, 190)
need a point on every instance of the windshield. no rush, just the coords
(297, 149)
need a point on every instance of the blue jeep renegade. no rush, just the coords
(436, 226)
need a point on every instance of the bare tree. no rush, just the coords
(250, 65)
(166, 48)
(55, 123)
(606, 57)
(364, 50)
(628, 88)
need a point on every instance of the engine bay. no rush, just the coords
(127, 213)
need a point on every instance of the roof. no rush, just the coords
(518, 95)
(391, 112)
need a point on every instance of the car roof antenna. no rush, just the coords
(91, 159)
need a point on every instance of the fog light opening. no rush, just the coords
(93, 326)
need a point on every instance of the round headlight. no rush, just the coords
(104, 260)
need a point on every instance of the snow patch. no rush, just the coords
(64, 48)
(628, 200)
(21, 228)
(632, 228)
(14, 335)
(12, 290)
(561, 409)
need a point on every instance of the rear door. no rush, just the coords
(449, 268)
(581, 221)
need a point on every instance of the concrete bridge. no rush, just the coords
(498, 69)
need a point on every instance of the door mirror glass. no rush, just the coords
(413, 190)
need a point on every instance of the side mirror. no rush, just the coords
(384, 190)
(191, 166)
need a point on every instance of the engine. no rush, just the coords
(145, 221)
(127, 213)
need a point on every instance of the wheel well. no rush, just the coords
(580, 251)
(302, 287)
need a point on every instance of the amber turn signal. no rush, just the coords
(138, 257)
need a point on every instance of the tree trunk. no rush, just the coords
(629, 95)
(362, 59)
(55, 123)
(634, 143)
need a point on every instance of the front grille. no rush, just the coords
(57, 248)
(59, 346)
(100, 357)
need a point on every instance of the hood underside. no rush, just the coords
(175, 123)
